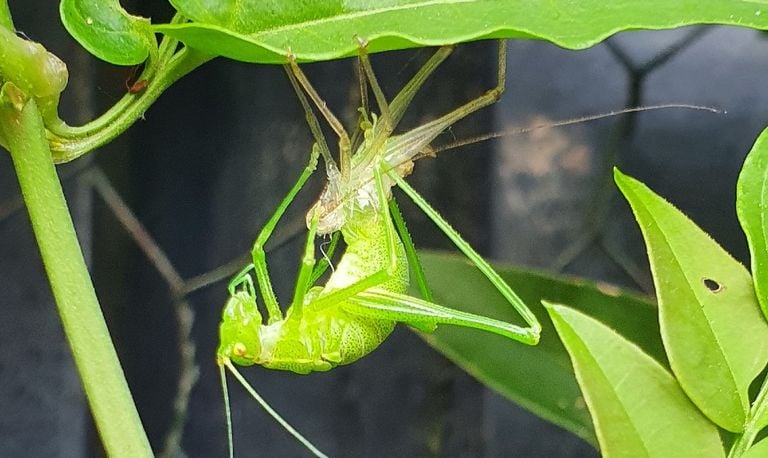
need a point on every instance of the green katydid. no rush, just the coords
(365, 296)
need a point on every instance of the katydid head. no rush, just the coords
(240, 330)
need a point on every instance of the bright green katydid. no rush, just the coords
(365, 296)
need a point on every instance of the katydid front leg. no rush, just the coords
(259, 256)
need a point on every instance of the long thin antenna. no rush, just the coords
(272, 411)
(227, 411)
(433, 151)
(480, 138)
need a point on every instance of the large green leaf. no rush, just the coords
(638, 408)
(752, 208)
(263, 31)
(107, 31)
(713, 332)
(759, 450)
(539, 378)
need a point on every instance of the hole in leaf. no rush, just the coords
(712, 285)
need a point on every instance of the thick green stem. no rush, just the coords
(111, 403)
(68, 143)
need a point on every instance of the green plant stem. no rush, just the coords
(753, 425)
(5, 16)
(68, 143)
(110, 400)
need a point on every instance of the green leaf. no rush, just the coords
(539, 378)
(263, 31)
(713, 332)
(638, 408)
(107, 31)
(752, 209)
(759, 450)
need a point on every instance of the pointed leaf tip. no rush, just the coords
(707, 308)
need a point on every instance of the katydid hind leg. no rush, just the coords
(312, 122)
(403, 148)
(333, 121)
(381, 99)
(363, 120)
(427, 315)
(470, 253)
(491, 96)
(406, 94)
(417, 270)
(345, 154)
(390, 233)
(392, 113)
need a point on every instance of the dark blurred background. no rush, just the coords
(218, 151)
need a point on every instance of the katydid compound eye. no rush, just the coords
(239, 349)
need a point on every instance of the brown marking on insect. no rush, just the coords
(405, 169)
(427, 151)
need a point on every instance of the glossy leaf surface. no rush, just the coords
(759, 450)
(107, 31)
(263, 31)
(713, 332)
(539, 378)
(638, 408)
(752, 208)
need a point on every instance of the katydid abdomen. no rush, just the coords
(324, 341)
(321, 336)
